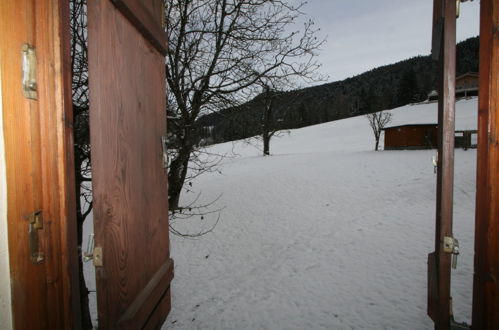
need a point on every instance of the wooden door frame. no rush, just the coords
(486, 267)
(39, 164)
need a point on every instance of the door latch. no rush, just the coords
(89, 253)
(29, 71)
(92, 252)
(451, 245)
(35, 223)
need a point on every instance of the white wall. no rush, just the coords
(5, 298)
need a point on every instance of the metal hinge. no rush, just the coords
(451, 245)
(93, 253)
(28, 54)
(35, 224)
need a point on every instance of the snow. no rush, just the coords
(323, 234)
(426, 113)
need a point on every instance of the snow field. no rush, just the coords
(323, 234)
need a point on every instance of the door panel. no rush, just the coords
(147, 17)
(439, 262)
(39, 161)
(127, 121)
(486, 277)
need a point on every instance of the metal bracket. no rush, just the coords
(93, 253)
(29, 86)
(98, 257)
(89, 253)
(451, 245)
(35, 223)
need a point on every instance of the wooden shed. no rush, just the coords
(412, 136)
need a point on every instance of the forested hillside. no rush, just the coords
(385, 87)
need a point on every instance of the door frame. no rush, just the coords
(486, 265)
(39, 165)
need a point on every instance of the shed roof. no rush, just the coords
(410, 125)
(426, 113)
(468, 74)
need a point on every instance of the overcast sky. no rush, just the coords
(364, 34)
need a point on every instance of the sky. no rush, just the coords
(364, 34)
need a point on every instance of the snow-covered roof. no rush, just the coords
(427, 113)
(406, 125)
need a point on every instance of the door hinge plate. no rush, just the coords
(450, 244)
(97, 256)
(29, 86)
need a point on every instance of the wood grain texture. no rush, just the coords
(147, 17)
(439, 263)
(486, 277)
(127, 120)
(39, 165)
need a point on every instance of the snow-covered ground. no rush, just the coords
(323, 234)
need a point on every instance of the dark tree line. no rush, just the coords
(386, 87)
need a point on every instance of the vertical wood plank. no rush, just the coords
(127, 120)
(39, 160)
(440, 261)
(486, 277)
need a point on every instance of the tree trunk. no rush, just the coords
(266, 118)
(176, 177)
(377, 145)
(266, 145)
(86, 320)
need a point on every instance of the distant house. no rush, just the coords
(466, 86)
(411, 136)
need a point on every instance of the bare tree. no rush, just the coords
(272, 119)
(79, 65)
(268, 129)
(218, 52)
(378, 121)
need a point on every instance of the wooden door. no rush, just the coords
(439, 262)
(127, 122)
(486, 277)
(39, 163)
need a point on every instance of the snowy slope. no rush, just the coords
(323, 234)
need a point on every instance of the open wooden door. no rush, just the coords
(486, 277)
(446, 247)
(127, 122)
(36, 103)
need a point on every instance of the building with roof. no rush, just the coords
(416, 126)
(466, 86)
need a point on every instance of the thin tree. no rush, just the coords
(378, 121)
(272, 119)
(79, 65)
(218, 52)
(268, 130)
